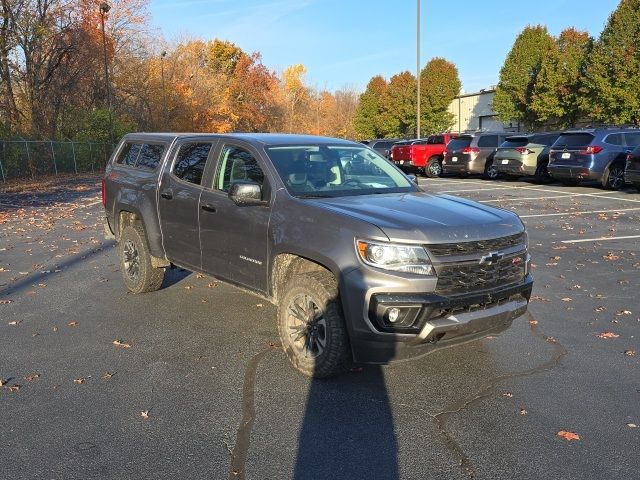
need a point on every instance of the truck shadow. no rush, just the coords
(343, 438)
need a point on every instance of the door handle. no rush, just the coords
(209, 208)
(168, 194)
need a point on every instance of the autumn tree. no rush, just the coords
(398, 118)
(296, 96)
(556, 93)
(519, 74)
(439, 85)
(611, 89)
(368, 121)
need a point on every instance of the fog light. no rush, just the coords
(393, 314)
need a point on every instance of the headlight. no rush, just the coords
(398, 258)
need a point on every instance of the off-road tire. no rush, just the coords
(433, 168)
(148, 278)
(322, 289)
(613, 178)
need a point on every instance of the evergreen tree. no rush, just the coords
(367, 121)
(519, 73)
(557, 90)
(439, 85)
(612, 80)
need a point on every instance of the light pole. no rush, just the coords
(418, 72)
(164, 92)
(104, 9)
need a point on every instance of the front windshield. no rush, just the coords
(333, 171)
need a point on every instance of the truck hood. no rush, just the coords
(420, 217)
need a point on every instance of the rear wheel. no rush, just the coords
(138, 273)
(613, 178)
(490, 171)
(542, 173)
(433, 168)
(311, 325)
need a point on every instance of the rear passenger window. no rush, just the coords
(237, 164)
(633, 139)
(190, 162)
(488, 141)
(129, 154)
(614, 139)
(150, 156)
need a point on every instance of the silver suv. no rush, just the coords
(473, 153)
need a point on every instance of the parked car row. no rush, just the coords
(603, 154)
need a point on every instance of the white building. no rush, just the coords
(474, 111)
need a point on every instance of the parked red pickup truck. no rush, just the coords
(422, 156)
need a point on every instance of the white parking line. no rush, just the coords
(547, 190)
(601, 239)
(621, 211)
(519, 199)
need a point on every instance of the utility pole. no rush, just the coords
(104, 9)
(418, 72)
(164, 92)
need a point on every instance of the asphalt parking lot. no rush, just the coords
(189, 382)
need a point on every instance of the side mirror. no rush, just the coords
(246, 194)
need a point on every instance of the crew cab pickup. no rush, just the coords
(362, 266)
(423, 156)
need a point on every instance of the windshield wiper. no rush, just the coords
(314, 195)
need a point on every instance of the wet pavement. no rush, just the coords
(195, 385)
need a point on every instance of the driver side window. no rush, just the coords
(237, 164)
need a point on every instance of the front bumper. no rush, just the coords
(443, 320)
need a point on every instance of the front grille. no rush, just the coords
(470, 277)
(478, 247)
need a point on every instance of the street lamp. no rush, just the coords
(104, 9)
(418, 72)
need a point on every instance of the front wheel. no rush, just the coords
(613, 178)
(139, 275)
(433, 168)
(311, 325)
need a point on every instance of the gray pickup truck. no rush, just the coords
(362, 265)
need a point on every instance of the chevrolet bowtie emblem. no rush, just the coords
(491, 258)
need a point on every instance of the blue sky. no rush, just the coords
(345, 43)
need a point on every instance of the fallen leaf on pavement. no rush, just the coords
(78, 381)
(14, 388)
(630, 353)
(259, 305)
(14, 322)
(3, 382)
(610, 257)
(533, 322)
(30, 378)
(608, 335)
(632, 425)
(566, 299)
(507, 394)
(5, 302)
(144, 414)
(72, 324)
(120, 343)
(212, 285)
(523, 412)
(568, 435)
(600, 309)
(108, 375)
(623, 312)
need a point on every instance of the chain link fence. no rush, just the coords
(33, 158)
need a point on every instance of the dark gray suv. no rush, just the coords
(593, 154)
(473, 153)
